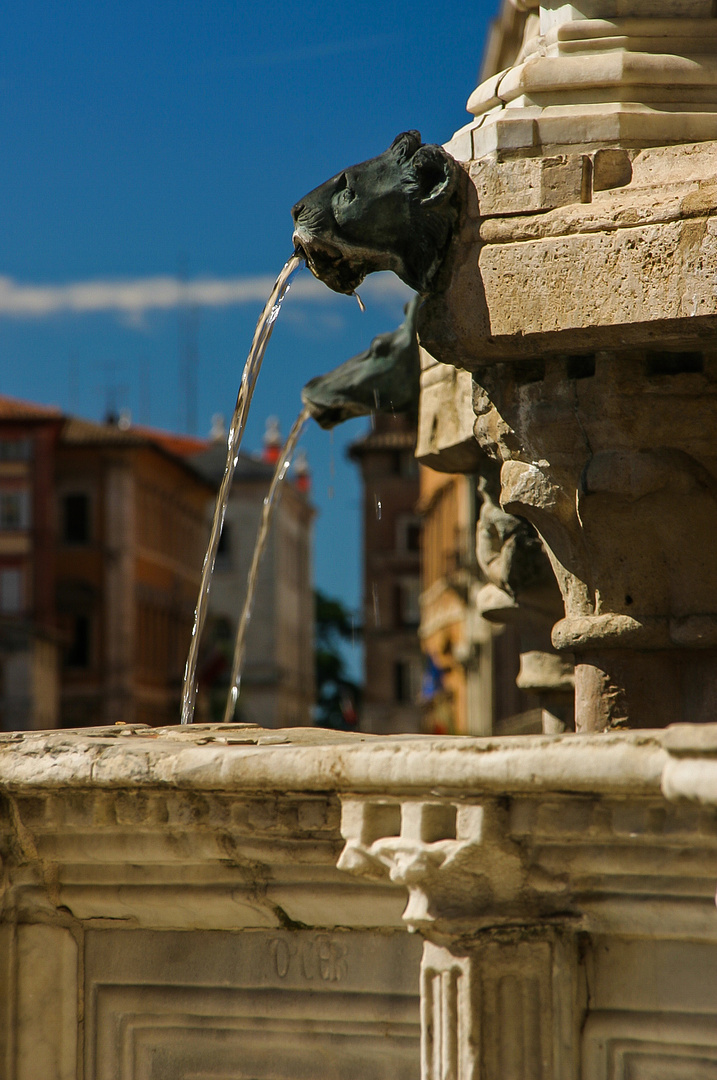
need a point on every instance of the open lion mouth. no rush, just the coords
(328, 416)
(327, 261)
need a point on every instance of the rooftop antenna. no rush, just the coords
(114, 393)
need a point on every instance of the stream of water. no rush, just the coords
(252, 367)
(270, 502)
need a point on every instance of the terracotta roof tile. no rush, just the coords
(77, 432)
(15, 409)
(181, 445)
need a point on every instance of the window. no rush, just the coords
(11, 591)
(76, 518)
(408, 533)
(400, 681)
(15, 449)
(407, 601)
(224, 551)
(14, 510)
(78, 653)
(406, 681)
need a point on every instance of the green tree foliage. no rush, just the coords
(337, 695)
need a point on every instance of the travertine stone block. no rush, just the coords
(445, 428)
(532, 184)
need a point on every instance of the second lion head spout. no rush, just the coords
(394, 212)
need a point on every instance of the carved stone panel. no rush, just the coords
(280, 1005)
(653, 1010)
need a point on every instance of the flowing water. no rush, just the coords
(259, 343)
(270, 503)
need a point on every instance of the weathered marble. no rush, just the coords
(172, 905)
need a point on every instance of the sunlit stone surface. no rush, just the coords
(172, 905)
(580, 294)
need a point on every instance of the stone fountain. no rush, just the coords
(224, 902)
(580, 294)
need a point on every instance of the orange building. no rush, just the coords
(473, 664)
(102, 535)
(130, 542)
(103, 530)
(29, 647)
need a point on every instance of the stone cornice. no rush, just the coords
(247, 759)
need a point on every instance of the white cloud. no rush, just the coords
(133, 299)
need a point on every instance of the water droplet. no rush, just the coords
(378, 508)
(360, 302)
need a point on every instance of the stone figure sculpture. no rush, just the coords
(383, 378)
(510, 552)
(521, 591)
(394, 212)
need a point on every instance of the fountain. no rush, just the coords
(262, 334)
(172, 903)
(520, 589)
(270, 502)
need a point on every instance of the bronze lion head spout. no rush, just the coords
(385, 378)
(393, 212)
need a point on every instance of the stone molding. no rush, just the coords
(491, 863)
(249, 760)
(599, 75)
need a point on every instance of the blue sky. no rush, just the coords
(142, 139)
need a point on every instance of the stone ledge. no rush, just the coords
(231, 758)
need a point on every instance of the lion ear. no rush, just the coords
(405, 145)
(434, 174)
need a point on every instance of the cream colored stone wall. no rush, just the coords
(226, 902)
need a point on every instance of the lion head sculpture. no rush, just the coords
(394, 212)
(384, 378)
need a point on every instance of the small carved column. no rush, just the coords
(499, 989)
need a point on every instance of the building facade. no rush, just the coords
(29, 643)
(277, 687)
(103, 529)
(102, 534)
(391, 563)
(130, 541)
